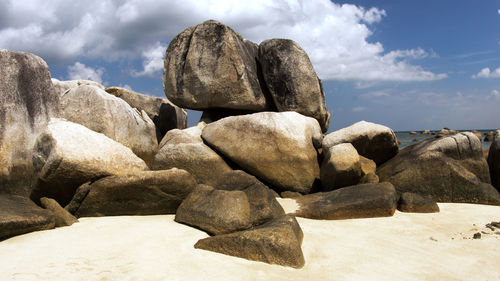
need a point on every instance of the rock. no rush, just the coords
(235, 180)
(447, 169)
(278, 148)
(19, 215)
(226, 211)
(341, 167)
(489, 136)
(446, 132)
(165, 115)
(413, 133)
(290, 194)
(371, 140)
(477, 235)
(211, 66)
(494, 161)
(184, 149)
(368, 166)
(103, 113)
(478, 135)
(292, 81)
(27, 101)
(369, 178)
(211, 115)
(414, 203)
(425, 132)
(358, 201)
(68, 154)
(62, 87)
(138, 193)
(276, 242)
(81, 192)
(62, 216)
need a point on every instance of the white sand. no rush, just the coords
(403, 247)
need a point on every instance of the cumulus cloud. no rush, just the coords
(153, 61)
(334, 35)
(81, 71)
(487, 73)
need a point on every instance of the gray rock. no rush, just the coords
(184, 149)
(292, 81)
(371, 140)
(278, 148)
(27, 101)
(341, 167)
(68, 154)
(276, 242)
(211, 66)
(81, 192)
(19, 215)
(414, 203)
(62, 216)
(494, 161)
(138, 193)
(104, 113)
(62, 87)
(447, 169)
(358, 201)
(165, 115)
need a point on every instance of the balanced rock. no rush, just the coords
(165, 115)
(292, 81)
(341, 167)
(494, 161)
(19, 215)
(137, 193)
(373, 141)
(185, 149)
(447, 169)
(68, 154)
(276, 242)
(27, 101)
(62, 87)
(211, 66)
(279, 148)
(358, 201)
(104, 113)
(62, 217)
(414, 203)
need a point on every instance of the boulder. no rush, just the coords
(489, 136)
(368, 166)
(104, 113)
(138, 193)
(276, 242)
(341, 167)
(447, 169)
(27, 101)
(62, 217)
(478, 135)
(290, 194)
(494, 161)
(211, 115)
(358, 201)
(425, 132)
(19, 215)
(184, 149)
(278, 148)
(62, 87)
(165, 115)
(373, 141)
(414, 203)
(81, 192)
(68, 154)
(211, 66)
(369, 178)
(292, 81)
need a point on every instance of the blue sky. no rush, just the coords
(410, 65)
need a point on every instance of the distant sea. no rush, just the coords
(405, 139)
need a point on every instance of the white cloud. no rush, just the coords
(358, 109)
(80, 71)
(335, 36)
(495, 95)
(498, 11)
(487, 73)
(153, 61)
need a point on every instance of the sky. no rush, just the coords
(409, 65)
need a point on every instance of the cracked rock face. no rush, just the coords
(447, 169)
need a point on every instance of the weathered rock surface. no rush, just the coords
(414, 203)
(373, 141)
(138, 193)
(277, 242)
(68, 154)
(165, 115)
(279, 148)
(358, 201)
(368, 166)
(27, 101)
(184, 149)
(292, 81)
(341, 167)
(447, 169)
(62, 217)
(211, 66)
(369, 178)
(63, 86)
(494, 161)
(113, 117)
(19, 215)
(81, 192)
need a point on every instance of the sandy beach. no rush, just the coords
(406, 246)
